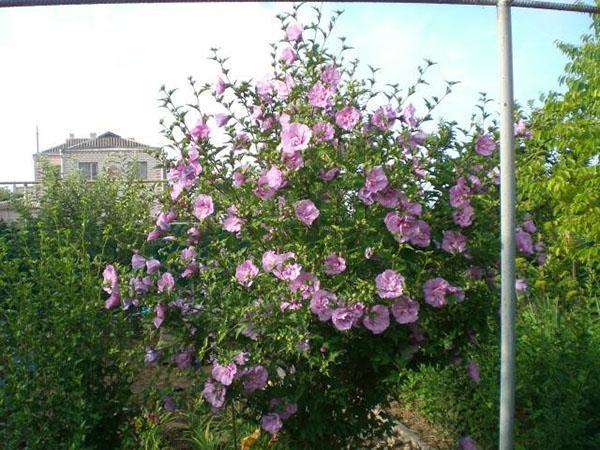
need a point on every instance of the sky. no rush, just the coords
(91, 69)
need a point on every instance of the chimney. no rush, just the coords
(93, 135)
(71, 136)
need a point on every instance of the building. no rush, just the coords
(90, 156)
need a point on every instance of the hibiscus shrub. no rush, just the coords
(319, 238)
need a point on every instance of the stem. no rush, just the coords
(234, 427)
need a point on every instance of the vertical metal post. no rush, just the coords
(507, 229)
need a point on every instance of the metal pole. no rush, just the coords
(592, 9)
(507, 229)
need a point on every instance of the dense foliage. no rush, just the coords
(64, 368)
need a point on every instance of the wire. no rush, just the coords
(590, 9)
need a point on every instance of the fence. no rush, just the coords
(28, 192)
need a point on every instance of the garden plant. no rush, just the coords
(320, 238)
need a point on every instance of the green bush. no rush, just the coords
(65, 365)
(558, 384)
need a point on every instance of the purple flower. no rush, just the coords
(435, 291)
(473, 371)
(329, 174)
(485, 145)
(388, 197)
(183, 359)
(376, 180)
(255, 378)
(169, 404)
(294, 32)
(529, 225)
(306, 283)
(319, 96)
(306, 212)
(200, 131)
(245, 272)
(224, 374)
(407, 228)
(165, 282)
(111, 279)
(459, 193)
(334, 264)
(463, 215)
(188, 254)
(152, 235)
(405, 310)
(293, 161)
(521, 285)
(321, 304)
(161, 314)
(238, 178)
(141, 285)
(232, 223)
(331, 76)
(220, 86)
(377, 319)
(454, 242)
(274, 178)
(524, 242)
(347, 118)
(241, 358)
(366, 196)
(250, 332)
(264, 89)
(467, 443)
(269, 182)
(271, 423)
(390, 284)
(323, 131)
(151, 356)
(137, 261)
(295, 137)
(222, 119)
(214, 394)
(203, 206)
(287, 55)
(287, 272)
(152, 266)
(408, 115)
(345, 318)
(271, 259)
(520, 129)
(164, 220)
(114, 300)
(384, 117)
(457, 292)
(289, 410)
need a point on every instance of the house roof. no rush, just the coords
(106, 140)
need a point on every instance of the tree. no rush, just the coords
(559, 173)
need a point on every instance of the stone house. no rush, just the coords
(96, 153)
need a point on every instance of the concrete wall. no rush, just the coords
(7, 213)
(51, 160)
(112, 160)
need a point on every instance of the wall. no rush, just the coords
(110, 158)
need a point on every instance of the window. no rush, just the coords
(142, 170)
(88, 170)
